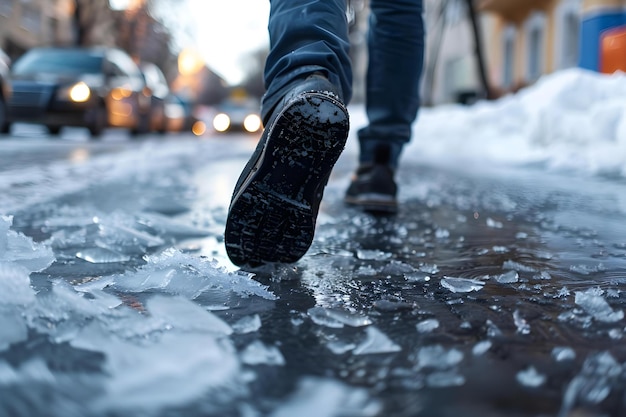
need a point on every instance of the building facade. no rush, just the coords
(28, 23)
(521, 39)
(25, 24)
(530, 38)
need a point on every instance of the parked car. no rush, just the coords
(178, 114)
(159, 91)
(94, 88)
(237, 115)
(5, 90)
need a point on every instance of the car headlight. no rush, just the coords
(252, 123)
(221, 122)
(78, 93)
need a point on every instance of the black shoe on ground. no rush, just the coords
(274, 208)
(373, 189)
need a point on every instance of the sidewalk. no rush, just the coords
(496, 290)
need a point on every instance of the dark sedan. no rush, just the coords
(94, 88)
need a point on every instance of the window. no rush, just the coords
(567, 37)
(535, 42)
(508, 56)
(535, 45)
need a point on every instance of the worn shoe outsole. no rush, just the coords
(274, 208)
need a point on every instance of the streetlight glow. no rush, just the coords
(189, 62)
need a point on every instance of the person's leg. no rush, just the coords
(275, 203)
(306, 37)
(396, 53)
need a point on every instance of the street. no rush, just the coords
(496, 290)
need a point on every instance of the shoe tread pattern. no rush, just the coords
(272, 217)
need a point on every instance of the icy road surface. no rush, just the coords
(497, 289)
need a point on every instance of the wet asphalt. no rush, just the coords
(499, 290)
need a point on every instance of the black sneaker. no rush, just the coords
(274, 207)
(374, 189)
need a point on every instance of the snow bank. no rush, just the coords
(572, 120)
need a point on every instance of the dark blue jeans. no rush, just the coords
(312, 35)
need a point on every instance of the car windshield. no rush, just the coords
(59, 62)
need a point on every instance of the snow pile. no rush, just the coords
(572, 120)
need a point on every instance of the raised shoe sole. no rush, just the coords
(273, 212)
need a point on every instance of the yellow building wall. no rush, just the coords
(518, 18)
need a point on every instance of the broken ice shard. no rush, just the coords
(508, 277)
(13, 329)
(595, 305)
(461, 284)
(337, 318)
(19, 249)
(257, 353)
(427, 326)
(481, 348)
(178, 273)
(15, 286)
(563, 354)
(248, 324)
(175, 312)
(316, 397)
(101, 256)
(376, 342)
(529, 377)
(438, 357)
(443, 379)
(520, 322)
(372, 254)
